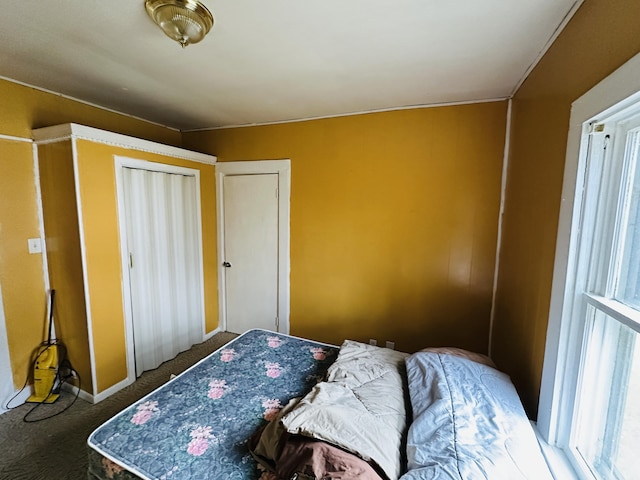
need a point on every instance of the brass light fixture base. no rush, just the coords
(185, 21)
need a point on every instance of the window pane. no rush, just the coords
(628, 290)
(608, 419)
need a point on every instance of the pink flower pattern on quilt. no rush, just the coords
(227, 355)
(144, 412)
(217, 389)
(199, 443)
(273, 369)
(274, 342)
(318, 353)
(271, 408)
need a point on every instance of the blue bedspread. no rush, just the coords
(196, 426)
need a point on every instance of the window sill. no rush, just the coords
(557, 460)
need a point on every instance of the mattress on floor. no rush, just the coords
(196, 426)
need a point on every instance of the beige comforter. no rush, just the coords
(360, 408)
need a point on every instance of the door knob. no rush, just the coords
(226, 264)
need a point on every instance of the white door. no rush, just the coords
(251, 251)
(165, 274)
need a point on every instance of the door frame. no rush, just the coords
(6, 372)
(120, 163)
(258, 167)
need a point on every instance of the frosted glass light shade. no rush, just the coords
(185, 21)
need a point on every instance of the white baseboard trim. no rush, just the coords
(207, 336)
(84, 395)
(19, 399)
(111, 390)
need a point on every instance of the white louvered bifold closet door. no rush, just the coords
(165, 264)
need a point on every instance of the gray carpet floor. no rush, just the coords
(56, 448)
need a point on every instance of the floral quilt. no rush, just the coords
(197, 425)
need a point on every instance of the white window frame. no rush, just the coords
(613, 95)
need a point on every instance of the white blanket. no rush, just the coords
(361, 406)
(468, 424)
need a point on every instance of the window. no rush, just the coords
(605, 309)
(591, 381)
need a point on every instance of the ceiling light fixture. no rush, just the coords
(185, 21)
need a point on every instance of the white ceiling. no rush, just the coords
(278, 60)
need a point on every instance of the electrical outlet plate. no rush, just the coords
(35, 245)
(391, 345)
(373, 341)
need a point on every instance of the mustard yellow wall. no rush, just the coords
(375, 198)
(62, 235)
(393, 220)
(96, 174)
(21, 274)
(600, 38)
(24, 109)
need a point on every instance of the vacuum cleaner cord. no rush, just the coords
(69, 373)
(59, 379)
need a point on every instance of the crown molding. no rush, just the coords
(69, 131)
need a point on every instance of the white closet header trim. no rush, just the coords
(74, 131)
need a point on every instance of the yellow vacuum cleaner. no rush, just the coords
(45, 367)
